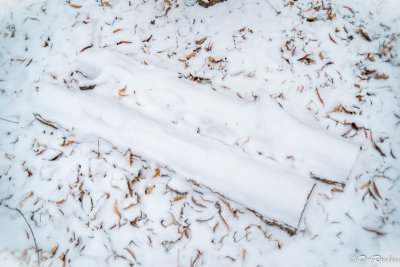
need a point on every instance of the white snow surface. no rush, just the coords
(162, 133)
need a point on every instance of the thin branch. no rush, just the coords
(30, 228)
(9, 120)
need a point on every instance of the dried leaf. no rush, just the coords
(213, 60)
(30, 195)
(117, 30)
(199, 42)
(88, 87)
(381, 76)
(351, 10)
(120, 92)
(374, 231)
(364, 35)
(366, 185)
(338, 108)
(157, 173)
(130, 156)
(197, 203)
(379, 150)
(54, 250)
(320, 99)
(332, 38)
(60, 202)
(191, 55)
(229, 207)
(40, 152)
(306, 59)
(116, 209)
(56, 157)
(67, 142)
(124, 42)
(312, 19)
(87, 47)
(335, 189)
(376, 190)
(168, 2)
(167, 10)
(75, 6)
(177, 198)
(148, 39)
(149, 189)
(106, 3)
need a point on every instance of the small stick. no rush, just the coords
(320, 99)
(30, 228)
(9, 120)
(40, 119)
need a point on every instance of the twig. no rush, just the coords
(9, 120)
(30, 228)
(45, 122)
(199, 254)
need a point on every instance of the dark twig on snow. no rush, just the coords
(33, 235)
(45, 122)
(9, 120)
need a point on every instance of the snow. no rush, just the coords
(164, 133)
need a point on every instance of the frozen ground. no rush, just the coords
(161, 133)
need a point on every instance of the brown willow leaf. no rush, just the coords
(364, 35)
(116, 209)
(157, 173)
(199, 42)
(149, 189)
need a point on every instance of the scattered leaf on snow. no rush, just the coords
(376, 190)
(147, 40)
(124, 42)
(120, 93)
(330, 37)
(364, 35)
(306, 59)
(199, 42)
(177, 198)
(130, 156)
(312, 19)
(75, 6)
(149, 189)
(88, 87)
(157, 173)
(62, 257)
(56, 157)
(213, 60)
(191, 55)
(54, 250)
(87, 47)
(366, 185)
(374, 231)
(337, 108)
(67, 142)
(320, 99)
(30, 195)
(60, 202)
(381, 76)
(40, 152)
(116, 209)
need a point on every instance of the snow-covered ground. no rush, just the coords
(162, 133)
